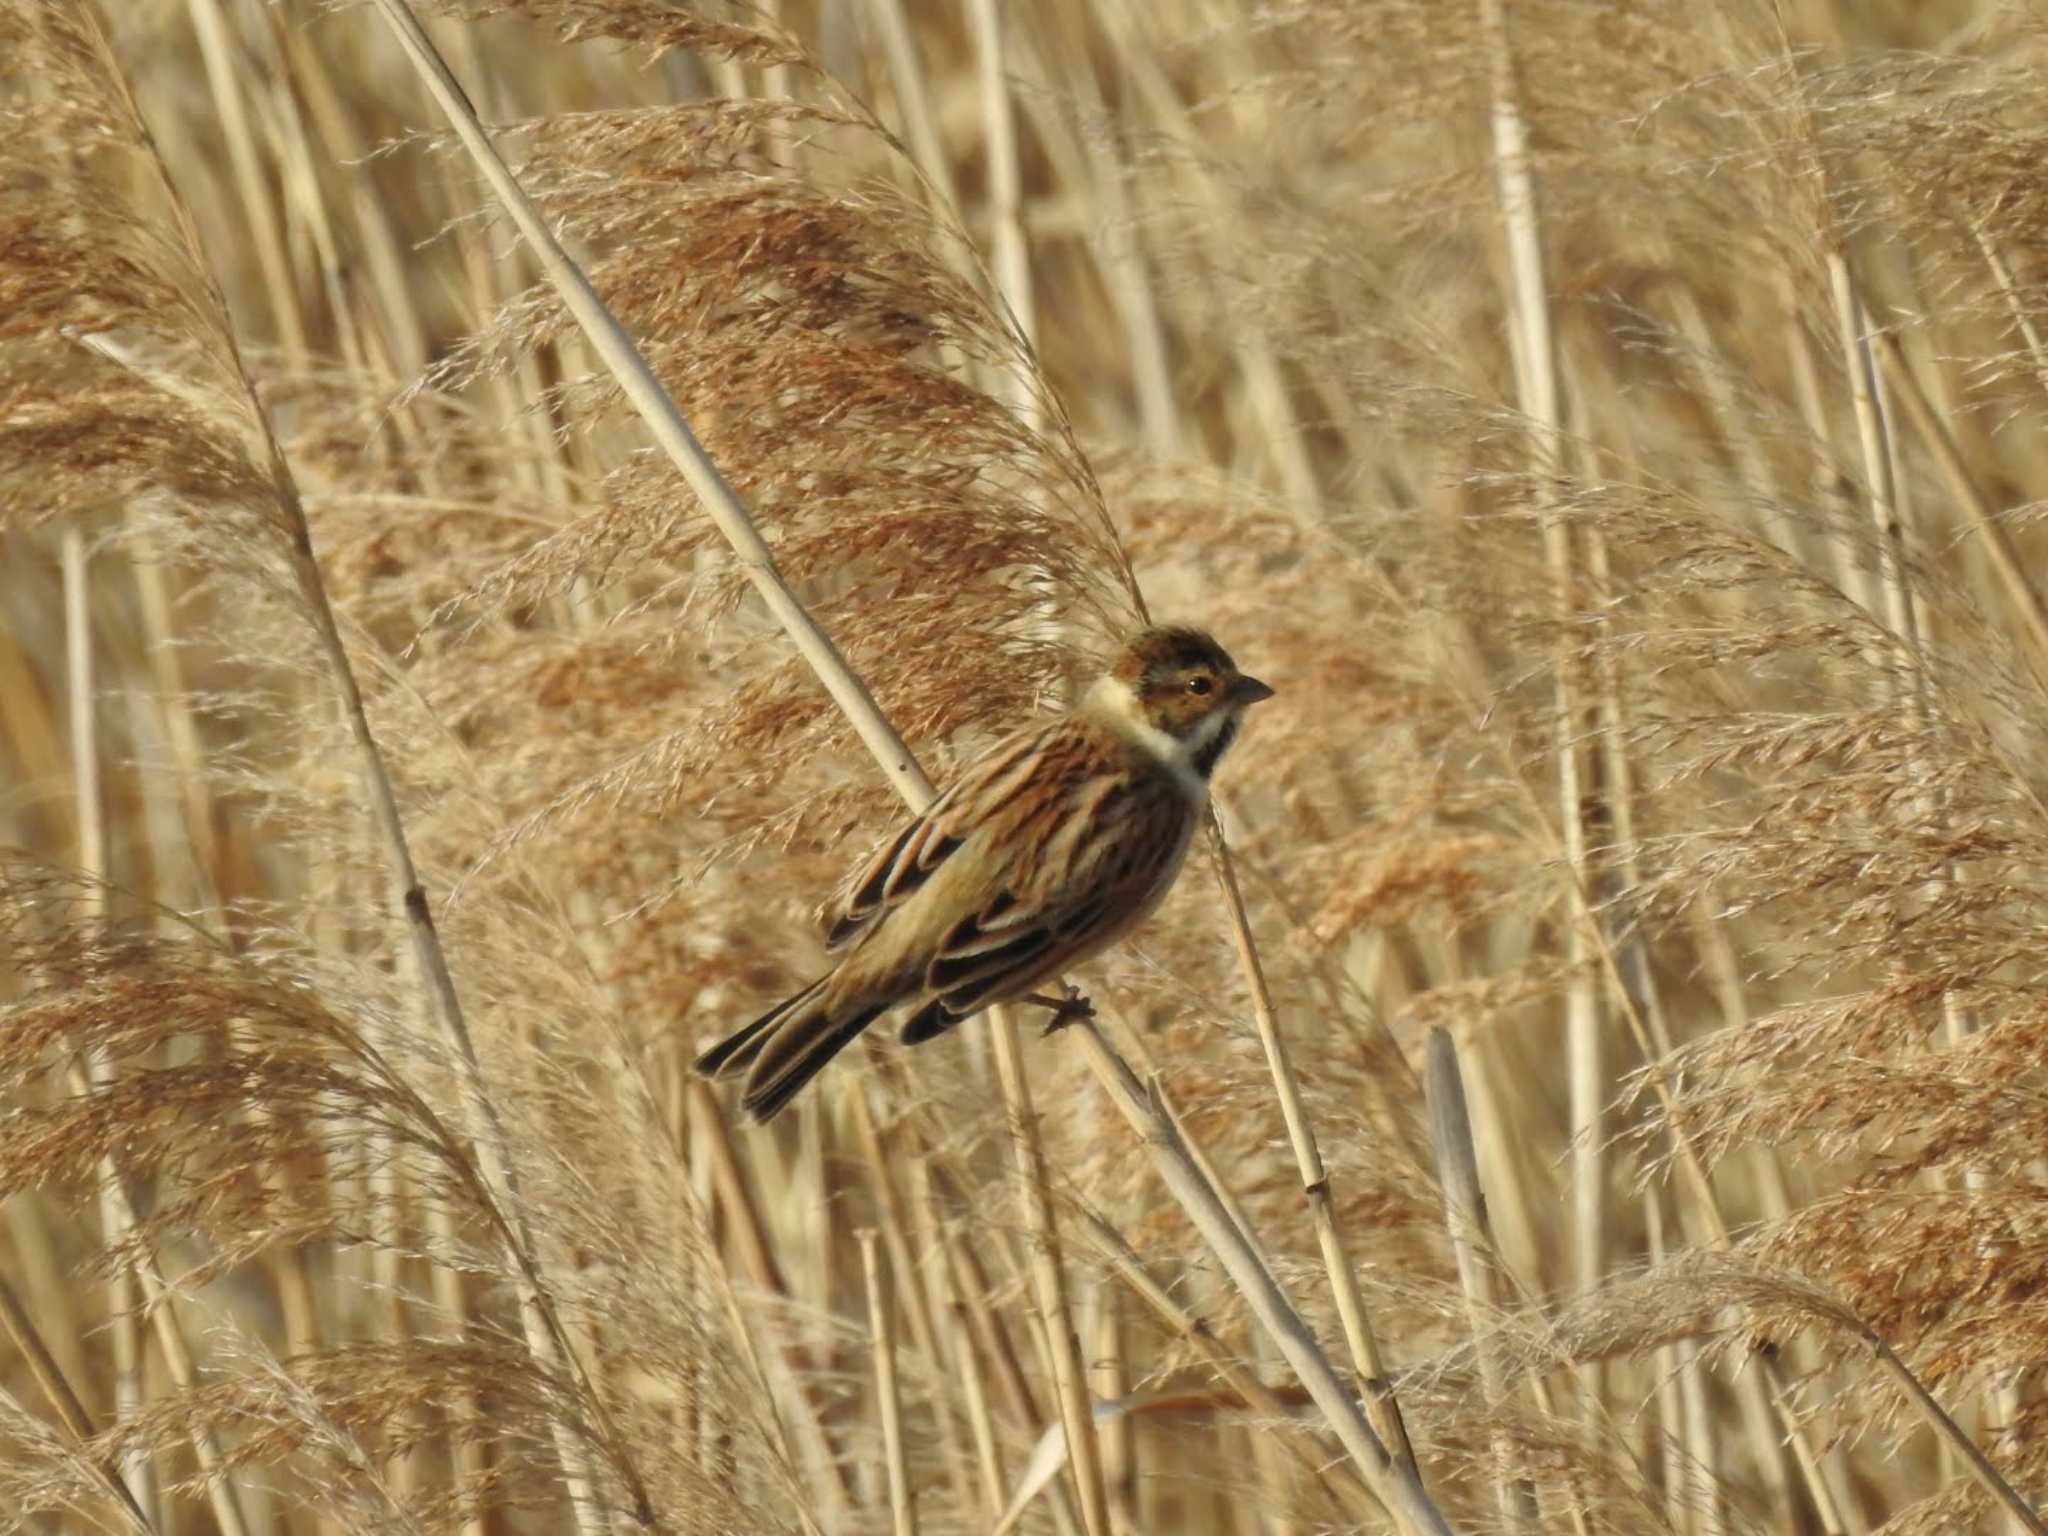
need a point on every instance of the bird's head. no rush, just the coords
(1177, 693)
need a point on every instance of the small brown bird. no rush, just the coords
(1052, 845)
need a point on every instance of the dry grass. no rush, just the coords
(282, 1253)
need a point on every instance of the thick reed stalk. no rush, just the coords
(913, 99)
(1395, 1483)
(1147, 1067)
(972, 1293)
(1898, 612)
(1862, 351)
(1126, 272)
(27, 1339)
(1111, 1383)
(1622, 941)
(1381, 1402)
(463, 1410)
(1830, 482)
(721, 1167)
(903, 1513)
(1537, 373)
(1953, 1435)
(1691, 1439)
(166, 697)
(211, 30)
(950, 1311)
(715, 1163)
(137, 1478)
(384, 291)
(2023, 319)
(924, 1332)
(1006, 187)
(1048, 1276)
(91, 820)
(615, 349)
(221, 1491)
(1457, 1166)
(2005, 555)
(975, 1297)
(1239, 1377)
(1280, 434)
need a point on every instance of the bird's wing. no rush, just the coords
(901, 866)
(1100, 867)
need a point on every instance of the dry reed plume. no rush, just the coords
(1617, 433)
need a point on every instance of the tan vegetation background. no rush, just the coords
(1617, 432)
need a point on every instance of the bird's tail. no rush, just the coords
(785, 1048)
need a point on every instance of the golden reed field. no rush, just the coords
(1601, 1088)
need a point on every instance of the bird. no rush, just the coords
(1049, 847)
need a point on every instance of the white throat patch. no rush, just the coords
(1206, 733)
(1116, 705)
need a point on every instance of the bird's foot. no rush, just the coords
(1065, 1009)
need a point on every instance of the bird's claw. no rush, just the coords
(1066, 1009)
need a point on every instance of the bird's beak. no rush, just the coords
(1248, 690)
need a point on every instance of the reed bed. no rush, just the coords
(1586, 1085)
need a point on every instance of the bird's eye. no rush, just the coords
(1200, 685)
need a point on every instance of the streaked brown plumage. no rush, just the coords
(1051, 846)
